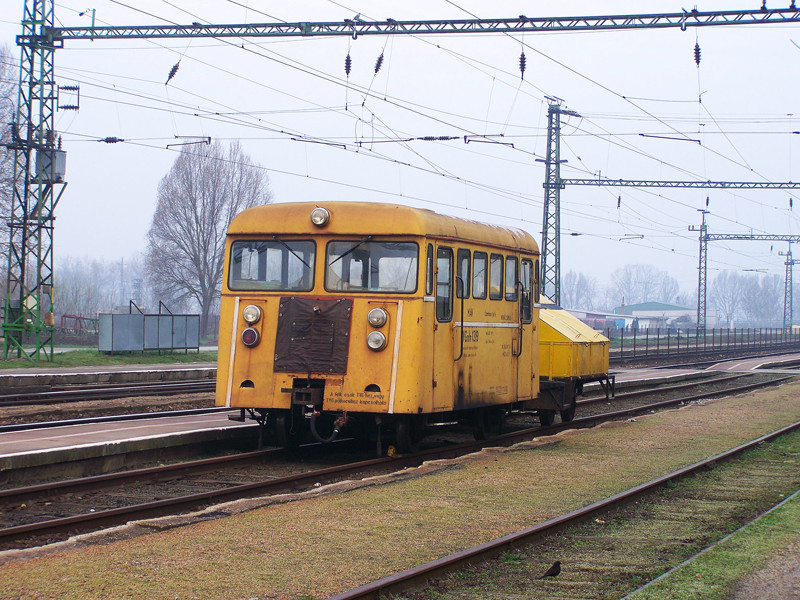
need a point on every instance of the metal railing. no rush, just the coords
(627, 344)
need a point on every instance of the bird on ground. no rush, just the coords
(552, 571)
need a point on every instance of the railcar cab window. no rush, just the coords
(526, 277)
(444, 284)
(511, 278)
(479, 273)
(429, 272)
(462, 283)
(496, 277)
(369, 266)
(263, 265)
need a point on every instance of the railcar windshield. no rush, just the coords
(276, 264)
(369, 266)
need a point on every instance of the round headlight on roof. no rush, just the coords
(320, 216)
(377, 317)
(376, 341)
(251, 314)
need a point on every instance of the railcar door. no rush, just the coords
(529, 346)
(443, 330)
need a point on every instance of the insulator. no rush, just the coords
(379, 63)
(619, 201)
(697, 53)
(522, 61)
(68, 88)
(706, 200)
(172, 72)
(111, 140)
(790, 202)
(68, 107)
(347, 64)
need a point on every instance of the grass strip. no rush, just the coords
(716, 573)
(91, 358)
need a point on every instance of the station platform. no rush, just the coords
(105, 446)
(58, 376)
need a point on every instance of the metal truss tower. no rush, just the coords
(702, 270)
(787, 292)
(706, 237)
(28, 309)
(38, 169)
(551, 217)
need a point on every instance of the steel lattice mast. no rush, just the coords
(706, 237)
(28, 312)
(28, 303)
(551, 217)
(787, 290)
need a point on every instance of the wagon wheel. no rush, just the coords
(287, 429)
(488, 422)
(568, 413)
(409, 433)
(547, 417)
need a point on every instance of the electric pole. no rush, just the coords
(551, 218)
(787, 292)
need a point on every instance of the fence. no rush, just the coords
(137, 332)
(633, 344)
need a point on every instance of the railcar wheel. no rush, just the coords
(287, 429)
(547, 417)
(569, 413)
(488, 422)
(409, 433)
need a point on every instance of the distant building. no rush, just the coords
(660, 314)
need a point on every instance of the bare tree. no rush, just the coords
(86, 287)
(643, 283)
(8, 97)
(197, 200)
(727, 293)
(579, 291)
(762, 300)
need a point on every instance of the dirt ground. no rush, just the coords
(779, 580)
(315, 544)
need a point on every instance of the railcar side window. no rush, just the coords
(511, 278)
(479, 273)
(276, 264)
(496, 277)
(444, 284)
(429, 272)
(536, 285)
(364, 266)
(462, 289)
(526, 277)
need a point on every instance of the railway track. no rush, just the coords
(44, 513)
(600, 552)
(106, 392)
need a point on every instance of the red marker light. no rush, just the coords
(250, 337)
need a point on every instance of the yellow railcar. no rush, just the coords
(375, 317)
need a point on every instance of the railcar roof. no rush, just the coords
(372, 218)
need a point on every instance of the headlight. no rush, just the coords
(320, 216)
(251, 314)
(377, 317)
(250, 337)
(376, 341)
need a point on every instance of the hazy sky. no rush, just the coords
(271, 93)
